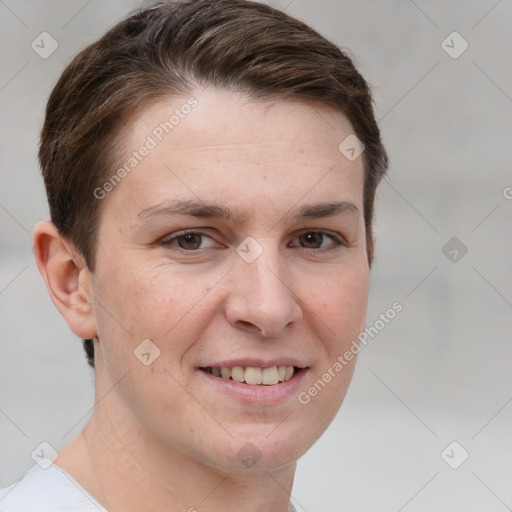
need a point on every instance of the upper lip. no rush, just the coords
(257, 363)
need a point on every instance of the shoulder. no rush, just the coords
(47, 490)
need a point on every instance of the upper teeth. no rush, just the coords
(253, 375)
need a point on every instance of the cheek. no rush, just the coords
(338, 312)
(340, 304)
(150, 302)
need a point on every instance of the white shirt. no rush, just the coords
(50, 490)
(47, 490)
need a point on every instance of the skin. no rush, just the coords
(163, 430)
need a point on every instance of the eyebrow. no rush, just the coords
(201, 209)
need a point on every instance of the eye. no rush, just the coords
(316, 239)
(191, 241)
(188, 241)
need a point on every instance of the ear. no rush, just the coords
(67, 278)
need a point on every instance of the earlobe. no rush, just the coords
(67, 279)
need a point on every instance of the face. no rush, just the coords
(231, 275)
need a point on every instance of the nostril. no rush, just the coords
(248, 326)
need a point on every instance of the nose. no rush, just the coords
(261, 298)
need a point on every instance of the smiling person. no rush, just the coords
(211, 169)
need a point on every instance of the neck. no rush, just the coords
(120, 465)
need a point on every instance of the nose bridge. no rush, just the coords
(266, 274)
(261, 295)
(262, 278)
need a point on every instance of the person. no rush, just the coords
(211, 169)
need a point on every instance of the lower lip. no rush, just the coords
(258, 393)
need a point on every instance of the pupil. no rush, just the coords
(313, 238)
(189, 239)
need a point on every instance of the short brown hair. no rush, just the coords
(172, 48)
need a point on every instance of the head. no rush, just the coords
(226, 119)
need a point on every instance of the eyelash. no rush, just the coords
(337, 242)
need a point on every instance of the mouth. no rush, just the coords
(253, 375)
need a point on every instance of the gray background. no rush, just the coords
(439, 372)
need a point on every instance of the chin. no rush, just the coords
(266, 447)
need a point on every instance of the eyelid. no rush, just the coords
(337, 239)
(166, 240)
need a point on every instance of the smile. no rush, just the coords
(253, 375)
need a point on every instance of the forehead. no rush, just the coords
(226, 145)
